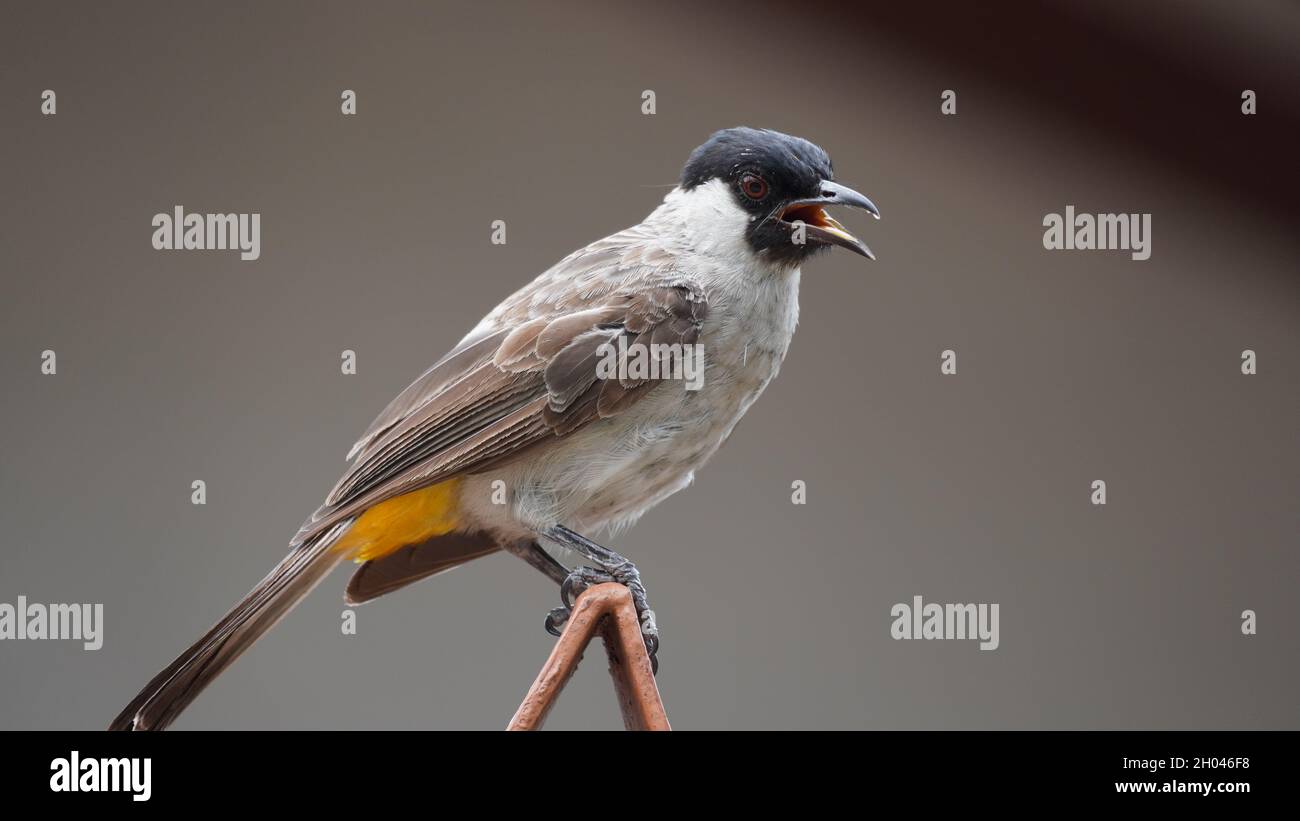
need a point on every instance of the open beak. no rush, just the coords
(823, 226)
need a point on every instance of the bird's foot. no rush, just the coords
(574, 585)
(622, 572)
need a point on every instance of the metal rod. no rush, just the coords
(607, 609)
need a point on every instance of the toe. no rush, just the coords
(556, 619)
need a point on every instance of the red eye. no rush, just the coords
(753, 186)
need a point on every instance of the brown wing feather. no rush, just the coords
(463, 359)
(529, 381)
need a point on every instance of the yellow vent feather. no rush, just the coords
(406, 519)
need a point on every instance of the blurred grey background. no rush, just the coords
(375, 237)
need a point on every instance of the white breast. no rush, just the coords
(626, 465)
(609, 473)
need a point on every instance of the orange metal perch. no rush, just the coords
(606, 608)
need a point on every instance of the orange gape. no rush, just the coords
(407, 519)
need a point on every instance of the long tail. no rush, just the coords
(172, 690)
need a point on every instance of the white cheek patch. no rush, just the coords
(710, 219)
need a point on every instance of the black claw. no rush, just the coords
(567, 593)
(610, 567)
(556, 619)
(577, 582)
(650, 634)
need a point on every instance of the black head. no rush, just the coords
(780, 182)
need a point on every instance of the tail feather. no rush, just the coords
(410, 564)
(172, 690)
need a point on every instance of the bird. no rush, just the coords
(543, 427)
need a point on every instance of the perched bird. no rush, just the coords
(539, 428)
